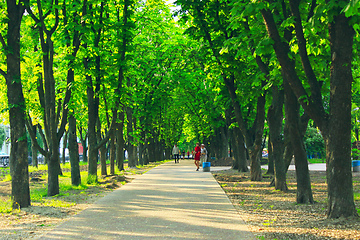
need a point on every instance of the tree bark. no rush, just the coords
(120, 143)
(271, 165)
(336, 125)
(338, 134)
(65, 142)
(112, 154)
(304, 193)
(253, 136)
(239, 150)
(103, 160)
(83, 140)
(276, 143)
(132, 155)
(34, 155)
(20, 192)
(74, 151)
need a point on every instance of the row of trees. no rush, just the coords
(125, 76)
(293, 57)
(117, 76)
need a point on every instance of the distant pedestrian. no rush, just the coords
(183, 154)
(203, 155)
(175, 153)
(197, 156)
(188, 154)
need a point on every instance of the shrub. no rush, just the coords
(314, 142)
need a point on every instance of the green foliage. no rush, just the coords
(91, 179)
(2, 135)
(37, 195)
(356, 196)
(7, 178)
(314, 142)
(6, 206)
(317, 160)
(355, 153)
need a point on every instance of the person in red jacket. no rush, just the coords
(197, 156)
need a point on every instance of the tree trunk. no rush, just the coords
(74, 152)
(253, 136)
(84, 144)
(112, 154)
(224, 147)
(335, 125)
(239, 150)
(289, 150)
(34, 155)
(304, 193)
(20, 192)
(65, 141)
(103, 160)
(276, 143)
(168, 153)
(132, 157)
(271, 165)
(53, 169)
(120, 144)
(338, 134)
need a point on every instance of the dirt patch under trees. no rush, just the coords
(272, 214)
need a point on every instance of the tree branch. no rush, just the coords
(31, 131)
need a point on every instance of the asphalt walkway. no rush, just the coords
(171, 201)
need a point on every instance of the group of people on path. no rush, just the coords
(200, 154)
(177, 153)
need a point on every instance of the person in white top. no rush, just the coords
(175, 153)
(203, 155)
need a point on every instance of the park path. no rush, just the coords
(171, 201)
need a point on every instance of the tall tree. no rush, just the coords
(20, 191)
(335, 125)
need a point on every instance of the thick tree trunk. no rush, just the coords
(53, 169)
(74, 152)
(255, 166)
(276, 143)
(304, 193)
(338, 134)
(239, 150)
(93, 111)
(20, 192)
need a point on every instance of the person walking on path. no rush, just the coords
(203, 154)
(188, 154)
(175, 153)
(197, 156)
(183, 154)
